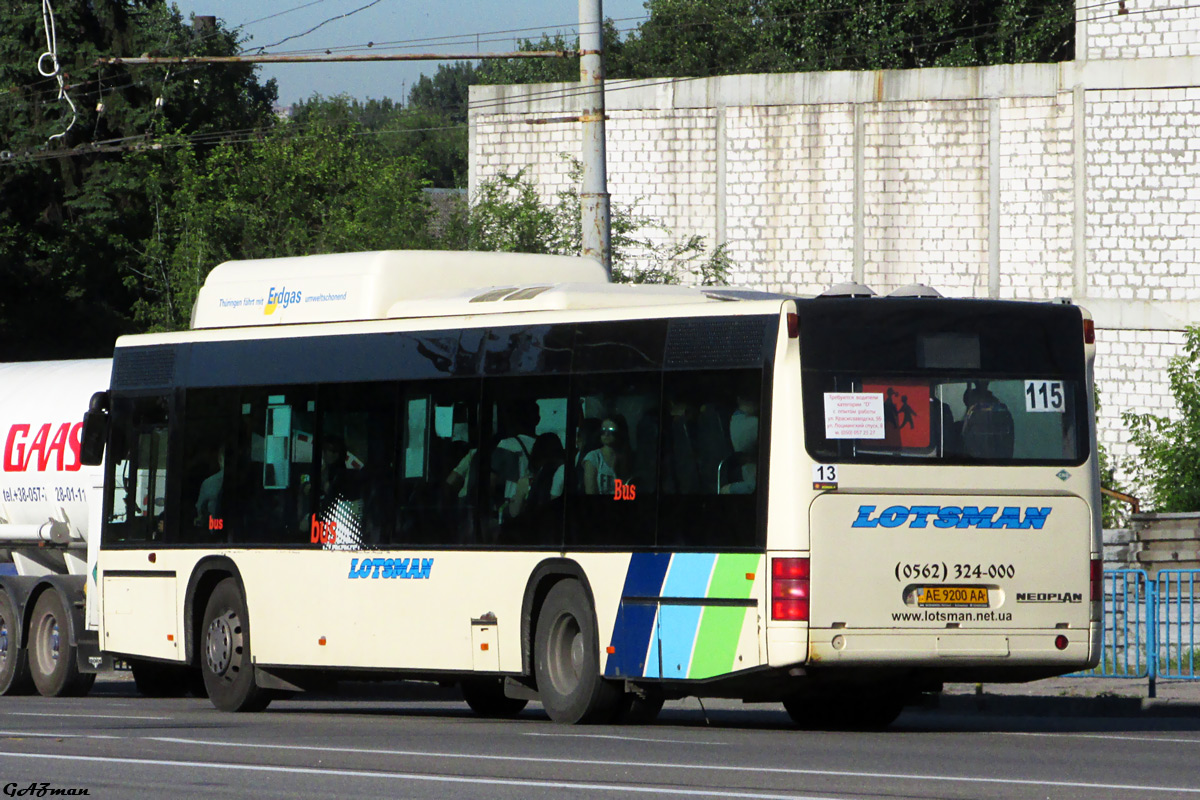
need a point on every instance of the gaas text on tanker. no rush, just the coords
(59, 450)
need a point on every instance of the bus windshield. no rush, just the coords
(891, 380)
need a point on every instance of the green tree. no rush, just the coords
(508, 214)
(553, 70)
(388, 130)
(702, 38)
(1169, 462)
(290, 193)
(446, 93)
(73, 213)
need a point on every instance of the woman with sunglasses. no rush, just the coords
(611, 460)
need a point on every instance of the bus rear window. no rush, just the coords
(958, 382)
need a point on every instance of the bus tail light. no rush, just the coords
(1089, 331)
(789, 589)
(1097, 580)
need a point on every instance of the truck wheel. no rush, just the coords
(566, 661)
(225, 655)
(51, 655)
(14, 661)
(486, 698)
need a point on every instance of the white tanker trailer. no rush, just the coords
(49, 528)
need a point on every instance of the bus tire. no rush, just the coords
(566, 662)
(225, 652)
(51, 656)
(14, 660)
(486, 698)
(154, 679)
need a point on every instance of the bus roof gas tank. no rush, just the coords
(361, 286)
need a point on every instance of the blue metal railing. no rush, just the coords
(1149, 625)
(1126, 650)
(1175, 624)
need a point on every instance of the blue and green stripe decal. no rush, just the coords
(666, 629)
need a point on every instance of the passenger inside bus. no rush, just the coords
(339, 504)
(587, 439)
(695, 445)
(518, 424)
(611, 461)
(739, 471)
(208, 503)
(542, 482)
(987, 425)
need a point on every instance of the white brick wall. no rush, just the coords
(1143, 193)
(1139, 28)
(926, 195)
(789, 175)
(1036, 197)
(1131, 374)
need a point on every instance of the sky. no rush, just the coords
(395, 26)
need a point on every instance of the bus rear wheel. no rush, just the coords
(51, 655)
(14, 661)
(566, 661)
(225, 655)
(486, 698)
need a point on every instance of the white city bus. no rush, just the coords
(597, 496)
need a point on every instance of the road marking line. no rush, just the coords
(1114, 737)
(32, 734)
(80, 716)
(711, 767)
(624, 738)
(409, 776)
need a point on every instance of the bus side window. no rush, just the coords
(436, 485)
(710, 461)
(519, 412)
(613, 497)
(138, 483)
(209, 505)
(353, 499)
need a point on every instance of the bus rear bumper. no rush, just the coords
(1065, 650)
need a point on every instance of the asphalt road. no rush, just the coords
(396, 741)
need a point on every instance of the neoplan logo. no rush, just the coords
(1049, 597)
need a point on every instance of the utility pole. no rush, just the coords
(593, 197)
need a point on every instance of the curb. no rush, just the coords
(1047, 706)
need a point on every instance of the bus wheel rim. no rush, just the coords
(219, 646)
(567, 654)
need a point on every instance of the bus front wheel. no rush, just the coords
(566, 661)
(14, 661)
(51, 655)
(225, 658)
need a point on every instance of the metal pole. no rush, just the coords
(594, 208)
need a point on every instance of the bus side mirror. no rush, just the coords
(95, 430)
